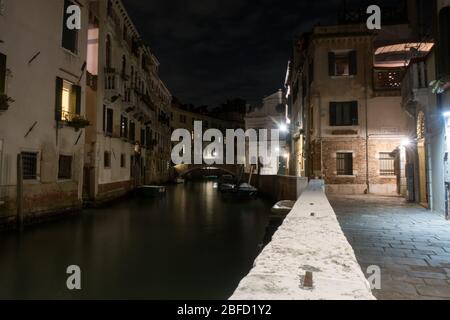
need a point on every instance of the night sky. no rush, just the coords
(211, 50)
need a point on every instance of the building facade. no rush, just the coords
(271, 115)
(42, 112)
(128, 143)
(339, 119)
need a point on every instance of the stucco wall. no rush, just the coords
(33, 29)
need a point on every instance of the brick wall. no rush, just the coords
(356, 183)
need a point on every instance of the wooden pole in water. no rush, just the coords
(19, 192)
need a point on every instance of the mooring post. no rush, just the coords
(19, 192)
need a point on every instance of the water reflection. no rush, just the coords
(191, 244)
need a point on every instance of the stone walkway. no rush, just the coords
(410, 244)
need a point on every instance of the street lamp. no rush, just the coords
(405, 142)
(283, 127)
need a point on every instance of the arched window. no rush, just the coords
(108, 52)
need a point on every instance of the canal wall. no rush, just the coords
(279, 187)
(309, 245)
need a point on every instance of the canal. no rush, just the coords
(191, 244)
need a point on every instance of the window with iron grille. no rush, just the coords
(344, 163)
(65, 167)
(29, 165)
(107, 159)
(387, 164)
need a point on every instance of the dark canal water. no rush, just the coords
(191, 244)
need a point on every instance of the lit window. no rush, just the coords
(342, 63)
(68, 101)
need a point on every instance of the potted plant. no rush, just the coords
(5, 101)
(78, 122)
(441, 85)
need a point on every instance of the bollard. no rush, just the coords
(308, 280)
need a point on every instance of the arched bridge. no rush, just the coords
(183, 169)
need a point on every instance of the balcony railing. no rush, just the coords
(113, 84)
(387, 79)
(91, 81)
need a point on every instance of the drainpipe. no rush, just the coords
(429, 174)
(366, 124)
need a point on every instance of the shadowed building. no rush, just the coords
(128, 143)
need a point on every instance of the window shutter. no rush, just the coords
(354, 112)
(104, 118)
(331, 63)
(58, 98)
(353, 63)
(2, 73)
(332, 113)
(121, 126)
(77, 90)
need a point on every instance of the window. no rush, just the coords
(2, 73)
(107, 159)
(123, 127)
(142, 137)
(109, 121)
(123, 161)
(444, 37)
(70, 37)
(29, 165)
(148, 137)
(344, 163)
(344, 113)
(342, 63)
(132, 133)
(108, 57)
(65, 167)
(68, 100)
(387, 164)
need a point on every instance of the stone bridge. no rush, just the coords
(183, 169)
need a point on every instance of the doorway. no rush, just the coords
(422, 164)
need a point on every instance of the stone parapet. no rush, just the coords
(309, 241)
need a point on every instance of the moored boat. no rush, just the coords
(151, 191)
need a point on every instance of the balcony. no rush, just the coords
(129, 100)
(91, 81)
(415, 86)
(113, 85)
(387, 81)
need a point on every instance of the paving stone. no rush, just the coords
(435, 282)
(416, 245)
(428, 275)
(434, 291)
(410, 261)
